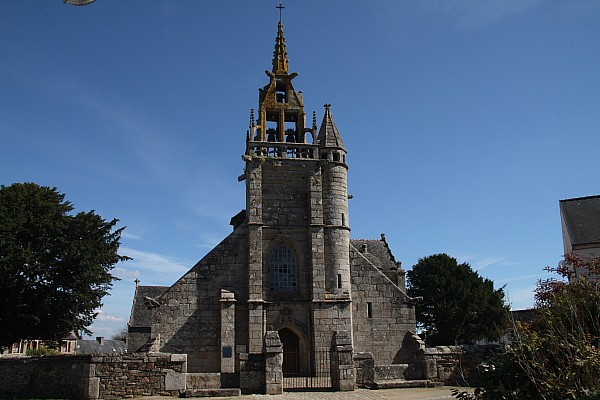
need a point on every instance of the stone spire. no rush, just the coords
(329, 136)
(280, 56)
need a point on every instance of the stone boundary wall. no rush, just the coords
(456, 365)
(93, 376)
(449, 365)
(43, 377)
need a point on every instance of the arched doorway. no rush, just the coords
(303, 369)
(291, 352)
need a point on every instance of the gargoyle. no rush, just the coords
(152, 303)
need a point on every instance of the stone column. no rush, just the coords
(89, 381)
(364, 364)
(256, 328)
(430, 369)
(227, 331)
(273, 363)
(342, 365)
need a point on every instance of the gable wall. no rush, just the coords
(190, 320)
(392, 318)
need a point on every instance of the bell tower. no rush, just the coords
(296, 216)
(280, 129)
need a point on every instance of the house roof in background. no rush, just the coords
(582, 219)
(105, 346)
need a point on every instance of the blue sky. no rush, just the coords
(466, 121)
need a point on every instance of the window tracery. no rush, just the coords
(283, 276)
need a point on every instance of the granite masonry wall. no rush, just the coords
(381, 316)
(455, 365)
(189, 319)
(93, 376)
(44, 377)
(448, 365)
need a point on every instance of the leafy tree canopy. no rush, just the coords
(55, 265)
(458, 306)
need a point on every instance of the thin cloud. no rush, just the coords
(478, 263)
(153, 268)
(96, 330)
(155, 149)
(520, 298)
(210, 241)
(130, 236)
(521, 278)
(477, 14)
(486, 262)
(200, 195)
(101, 331)
(104, 317)
(126, 274)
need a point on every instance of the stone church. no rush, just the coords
(289, 265)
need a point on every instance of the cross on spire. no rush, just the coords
(280, 7)
(280, 57)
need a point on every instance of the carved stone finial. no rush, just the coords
(280, 56)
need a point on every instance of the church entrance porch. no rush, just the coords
(303, 369)
(306, 370)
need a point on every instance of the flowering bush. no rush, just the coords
(557, 356)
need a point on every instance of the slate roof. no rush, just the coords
(140, 314)
(238, 219)
(582, 219)
(377, 252)
(106, 347)
(71, 336)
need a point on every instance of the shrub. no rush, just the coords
(42, 351)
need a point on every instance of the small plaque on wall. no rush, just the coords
(227, 352)
(240, 348)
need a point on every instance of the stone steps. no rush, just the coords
(402, 383)
(189, 393)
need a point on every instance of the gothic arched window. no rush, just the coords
(282, 270)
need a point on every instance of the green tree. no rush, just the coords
(556, 357)
(55, 265)
(458, 306)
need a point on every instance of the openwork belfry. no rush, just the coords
(287, 288)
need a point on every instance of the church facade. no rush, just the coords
(290, 264)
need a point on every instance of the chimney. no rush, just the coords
(100, 339)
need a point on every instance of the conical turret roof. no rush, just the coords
(329, 136)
